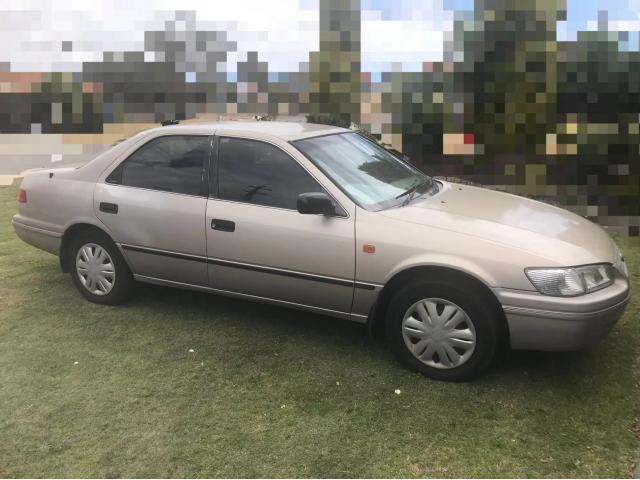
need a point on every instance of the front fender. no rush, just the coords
(451, 262)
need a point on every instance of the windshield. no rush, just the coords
(369, 174)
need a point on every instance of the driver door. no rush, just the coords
(257, 242)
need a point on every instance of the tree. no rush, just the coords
(334, 71)
(509, 69)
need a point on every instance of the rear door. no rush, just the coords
(154, 204)
(257, 242)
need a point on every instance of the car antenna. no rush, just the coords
(166, 123)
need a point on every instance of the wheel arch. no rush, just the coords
(69, 234)
(377, 315)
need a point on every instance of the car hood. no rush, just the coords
(549, 232)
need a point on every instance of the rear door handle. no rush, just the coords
(223, 225)
(108, 207)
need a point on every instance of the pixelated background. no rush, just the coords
(536, 97)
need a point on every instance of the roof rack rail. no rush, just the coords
(166, 123)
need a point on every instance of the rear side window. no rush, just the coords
(170, 164)
(252, 171)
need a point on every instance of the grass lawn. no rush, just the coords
(88, 391)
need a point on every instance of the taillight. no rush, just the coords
(22, 196)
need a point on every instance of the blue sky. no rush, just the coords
(396, 34)
(581, 12)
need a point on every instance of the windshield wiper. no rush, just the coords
(411, 191)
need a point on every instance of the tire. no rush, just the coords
(114, 288)
(462, 325)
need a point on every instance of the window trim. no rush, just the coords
(215, 176)
(206, 166)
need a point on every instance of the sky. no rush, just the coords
(395, 33)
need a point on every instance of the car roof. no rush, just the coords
(287, 131)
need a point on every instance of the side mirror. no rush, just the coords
(315, 203)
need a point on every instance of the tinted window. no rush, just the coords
(171, 164)
(256, 172)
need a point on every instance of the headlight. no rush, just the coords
(567, 282)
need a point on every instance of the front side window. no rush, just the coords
(173, 163)
(251, 171)
(369, 174)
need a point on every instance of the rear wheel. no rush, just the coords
(98, 270)
(443, 330)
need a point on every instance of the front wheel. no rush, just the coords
(443, 330)
(98, 270)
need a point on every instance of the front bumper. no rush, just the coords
(541, 322)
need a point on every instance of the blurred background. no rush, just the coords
(535, 97)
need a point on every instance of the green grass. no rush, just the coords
(270, 392)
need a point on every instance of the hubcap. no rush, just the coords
(438, 333)
(95, 269)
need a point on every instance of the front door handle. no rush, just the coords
(223, 225)
(108, 207)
